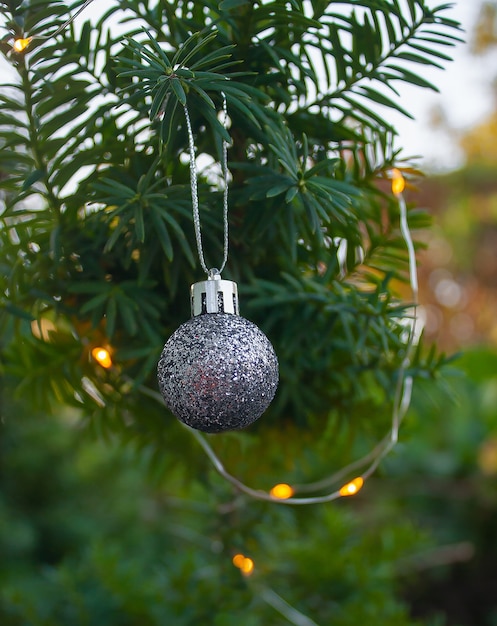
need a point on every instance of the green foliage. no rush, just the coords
(96, 249)
(97, 223)
(128, 554)
(450, 491)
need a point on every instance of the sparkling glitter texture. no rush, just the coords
(218, 372)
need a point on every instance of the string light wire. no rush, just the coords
(284, 608)
(401, 403)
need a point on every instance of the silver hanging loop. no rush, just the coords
(194, 189)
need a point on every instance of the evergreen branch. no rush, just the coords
(357, 72)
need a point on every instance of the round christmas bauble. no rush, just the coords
(218, 372)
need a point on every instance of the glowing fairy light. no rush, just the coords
(282, 491)
(398, 182)
(238, 560)
(20, 45)
(247, 567)
(244, 564)
(351, 488)
(102, 357)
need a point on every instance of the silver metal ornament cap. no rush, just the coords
(214, 295)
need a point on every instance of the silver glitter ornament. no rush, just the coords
(218, 371)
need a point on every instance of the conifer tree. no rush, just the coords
(98, 247)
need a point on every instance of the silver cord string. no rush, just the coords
(194, 189)
(225, 180)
